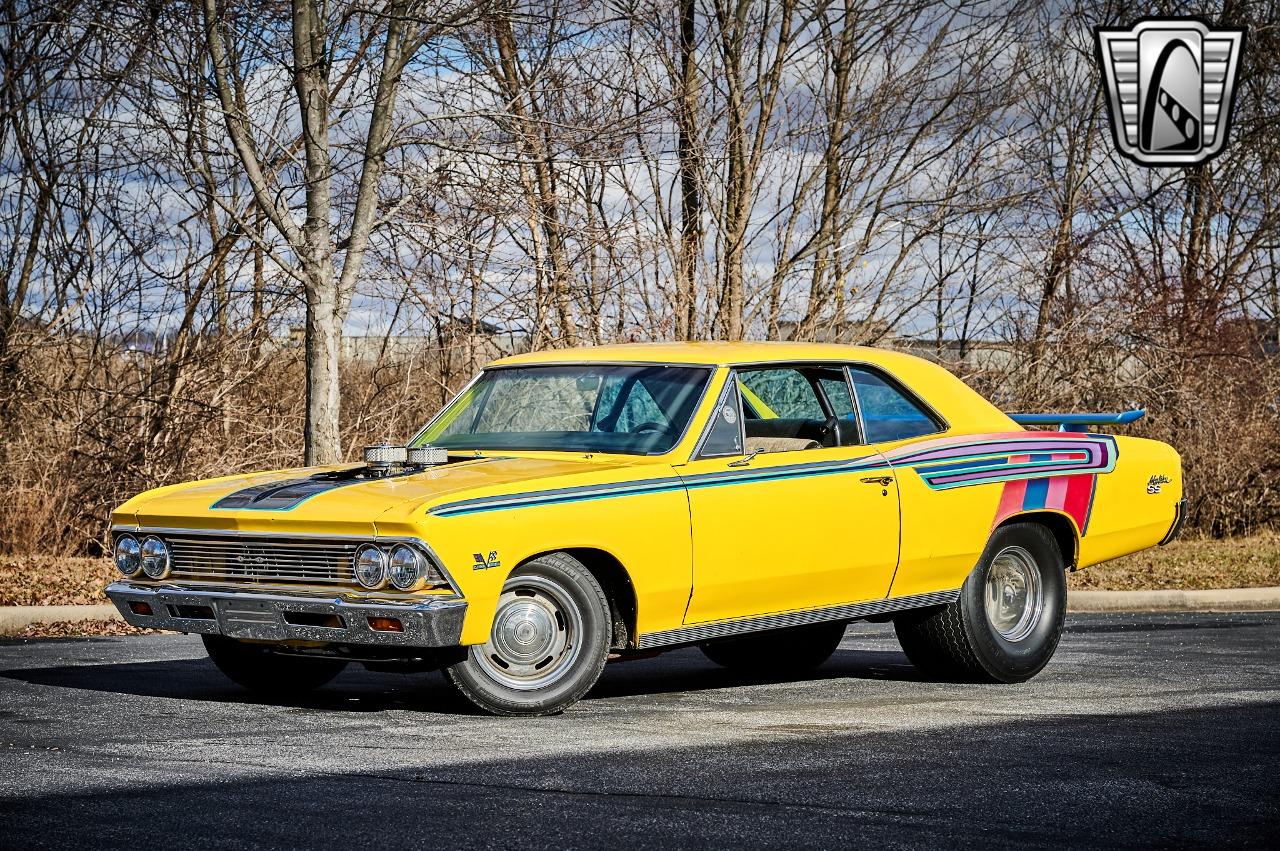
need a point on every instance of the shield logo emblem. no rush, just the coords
(1169, 85)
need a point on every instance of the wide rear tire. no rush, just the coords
(1008, 620)
(549, 641)
(257, 668)
(780, 651)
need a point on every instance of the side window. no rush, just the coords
(725, 434)
(887, 413)
(836, 389)
(781, 393)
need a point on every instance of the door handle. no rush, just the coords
(882, 481)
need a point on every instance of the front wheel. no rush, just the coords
(548, 645)
(1006, 623)
(259, 669)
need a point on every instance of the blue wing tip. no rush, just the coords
(1079, 421)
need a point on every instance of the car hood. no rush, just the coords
(329, 500)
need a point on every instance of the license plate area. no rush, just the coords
(250, 619)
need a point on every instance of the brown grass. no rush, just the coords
(30, 580)
(1190, 564)
(78, 629)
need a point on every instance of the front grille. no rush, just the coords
(262, 559)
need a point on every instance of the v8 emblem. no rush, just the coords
(483, 563)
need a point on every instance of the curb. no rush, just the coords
(1223, 600)
(13, 619)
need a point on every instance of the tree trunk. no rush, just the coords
(690, 177)
(323, 344)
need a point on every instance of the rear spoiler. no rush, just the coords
(1078, 422)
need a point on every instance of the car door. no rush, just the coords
(790, 509)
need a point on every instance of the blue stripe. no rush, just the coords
(1037, 492)
(1000, 469)
(587, 493)
(961, 465)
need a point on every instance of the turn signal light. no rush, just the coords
(386, 625)
(139, 608)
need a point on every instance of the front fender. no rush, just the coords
(648, 533)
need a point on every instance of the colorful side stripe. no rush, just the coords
(1029, 460)
(948, 463)
(1072, 495)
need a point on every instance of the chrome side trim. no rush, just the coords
(237, 613)
(850, 611)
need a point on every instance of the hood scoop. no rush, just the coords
(281, 496)
(381, 462)
(383, 459)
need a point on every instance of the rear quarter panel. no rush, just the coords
(1133, 510)
(1113, 513)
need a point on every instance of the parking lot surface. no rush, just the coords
(1146, 730)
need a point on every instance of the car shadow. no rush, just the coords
(359, 690)
(689, 671)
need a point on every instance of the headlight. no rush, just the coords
(408, 567)
(155, 558)
(371, 566)
(128, 555)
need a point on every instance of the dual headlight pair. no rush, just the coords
(151, 556)
(402, 566)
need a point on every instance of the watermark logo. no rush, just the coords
(1169, 85)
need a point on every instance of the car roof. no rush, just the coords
(960, 406)
(707, 353)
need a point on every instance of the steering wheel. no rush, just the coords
(650, 427)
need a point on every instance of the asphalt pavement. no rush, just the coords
(1146, 730)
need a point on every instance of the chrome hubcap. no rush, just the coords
(535, 636)
(1014, 597)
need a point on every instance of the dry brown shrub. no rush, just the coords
(83, 629)
(53, 580)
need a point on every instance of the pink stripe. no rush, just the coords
(1057, 496)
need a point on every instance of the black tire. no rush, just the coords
(969, 641)
(779, 651)
(257, 668)
(549, 642)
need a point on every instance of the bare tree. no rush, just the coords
(402, 28)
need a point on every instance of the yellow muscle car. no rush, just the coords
(576, 506)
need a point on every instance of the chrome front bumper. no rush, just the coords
(285, 616)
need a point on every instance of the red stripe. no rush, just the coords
(1011, 499)
(1079, 492)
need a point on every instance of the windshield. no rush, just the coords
(631, 410)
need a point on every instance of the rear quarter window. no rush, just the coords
(888, 413)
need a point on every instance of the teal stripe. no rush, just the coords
(705, 480)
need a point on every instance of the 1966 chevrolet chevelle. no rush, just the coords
(574, 506)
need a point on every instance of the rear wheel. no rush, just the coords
(797, 649)
(548, 644)
(1006, 623)
(259, 669)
